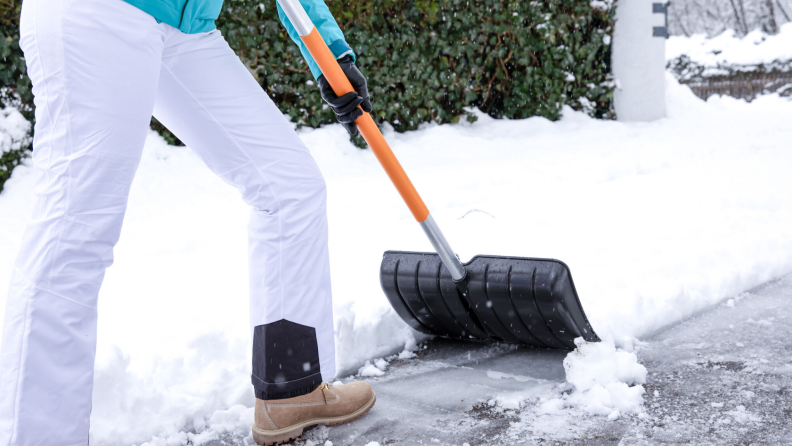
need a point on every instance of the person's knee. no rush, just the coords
(306, 197)
(295, 186)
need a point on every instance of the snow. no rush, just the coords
(600, 363)
(601, 379)
(657, 222)
(728, 49)
(369, 370)
(599, 4)
(602, 376)
(501, 375)
(13, 130)
(381, 364)
(406, 354)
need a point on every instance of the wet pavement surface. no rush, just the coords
(440, 396)
(723, 377)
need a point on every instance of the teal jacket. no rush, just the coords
(198, 16)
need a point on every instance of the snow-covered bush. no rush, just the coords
(14, 131)
(15, 92)
(15, 141)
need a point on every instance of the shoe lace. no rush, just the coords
(324, 386)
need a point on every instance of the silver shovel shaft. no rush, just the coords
(443, 249)
(297, 16)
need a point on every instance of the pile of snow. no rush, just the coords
(728, 49)
(14, 130)
(606, 380)
(657, 221)
(601, 379)
(376, 369)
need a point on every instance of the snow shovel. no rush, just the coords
(505, 299)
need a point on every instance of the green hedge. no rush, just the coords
(430, 60)
(425, 60)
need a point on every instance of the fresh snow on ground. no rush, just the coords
(729, 49)
(657, 221)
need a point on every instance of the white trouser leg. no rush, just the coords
(95, 67)
(211, 102)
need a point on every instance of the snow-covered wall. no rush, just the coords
(638, 62)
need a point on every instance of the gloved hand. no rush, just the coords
(346, 106)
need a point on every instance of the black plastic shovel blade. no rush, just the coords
(506, 299)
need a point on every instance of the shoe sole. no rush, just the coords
(267, 437)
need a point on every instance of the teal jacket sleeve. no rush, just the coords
(324, 22)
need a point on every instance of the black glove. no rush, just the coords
(346, 106)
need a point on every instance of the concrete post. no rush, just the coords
(638, 60)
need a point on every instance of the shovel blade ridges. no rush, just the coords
(508, 299)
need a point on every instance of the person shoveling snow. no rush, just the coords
(100, 69)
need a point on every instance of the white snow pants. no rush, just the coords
(100, 68)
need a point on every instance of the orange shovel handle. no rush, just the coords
(341, 86)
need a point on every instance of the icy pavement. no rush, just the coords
(723, 377)
(443, 396)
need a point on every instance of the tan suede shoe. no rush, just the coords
(278, 421)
